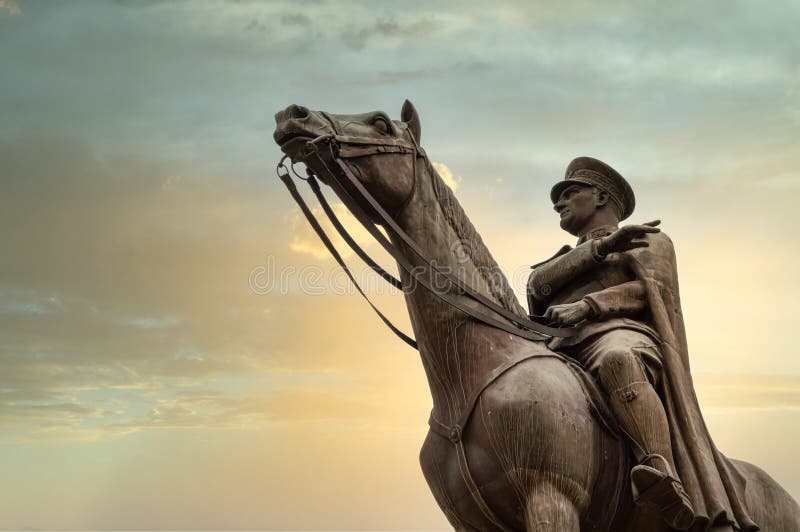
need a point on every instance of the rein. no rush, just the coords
(287, 179)
(343, 147)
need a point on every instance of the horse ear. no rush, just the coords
(409, 116)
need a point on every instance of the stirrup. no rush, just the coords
(664, 491)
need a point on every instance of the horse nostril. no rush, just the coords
(297, 111)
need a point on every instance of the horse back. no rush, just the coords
(771, 506)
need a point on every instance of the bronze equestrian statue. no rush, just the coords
(521, 436)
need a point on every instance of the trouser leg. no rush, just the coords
(636, 405)
(641, 415)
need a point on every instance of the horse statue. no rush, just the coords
(520, 437)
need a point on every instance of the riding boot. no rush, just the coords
(652, 486)
(641, 416)
(639, 411)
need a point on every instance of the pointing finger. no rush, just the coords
(644, 228)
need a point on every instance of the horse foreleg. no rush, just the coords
(549, 510)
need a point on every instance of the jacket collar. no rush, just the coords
(597, 232)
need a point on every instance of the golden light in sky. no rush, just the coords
(146, 382)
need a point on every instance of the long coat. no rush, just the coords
(713, 482)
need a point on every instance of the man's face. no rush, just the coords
(576, 205)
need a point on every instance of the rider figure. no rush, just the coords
(618, 344)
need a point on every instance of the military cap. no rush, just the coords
(592, 172)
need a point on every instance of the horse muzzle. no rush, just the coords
(296, 126)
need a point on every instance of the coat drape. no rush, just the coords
(715, 485)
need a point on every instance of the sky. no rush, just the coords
(177, 351)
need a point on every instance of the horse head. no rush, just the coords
(323, 140)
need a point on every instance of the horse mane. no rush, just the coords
(473, 245)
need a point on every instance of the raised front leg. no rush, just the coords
(549, 510)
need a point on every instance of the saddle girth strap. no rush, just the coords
(463, 466)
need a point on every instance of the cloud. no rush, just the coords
(389, 28)
(10, 7)
(119, 286)
(299, 19)
(738, 392)
(152, 322)
(447, 175)
(83, 417)
(305, 240)
(438, 71)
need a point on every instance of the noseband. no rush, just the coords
(342, 148)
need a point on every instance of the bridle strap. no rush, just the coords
(521, 322)
(421, 278)
(535, 332)
(392, 280)
(287, 180)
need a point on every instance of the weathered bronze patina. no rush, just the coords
(522, 437)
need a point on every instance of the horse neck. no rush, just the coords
(456, 350)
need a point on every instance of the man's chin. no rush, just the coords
(567, 226)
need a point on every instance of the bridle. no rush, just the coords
(344, 147)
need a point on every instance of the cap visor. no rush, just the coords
(559, 187)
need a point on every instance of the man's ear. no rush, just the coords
(601, 197)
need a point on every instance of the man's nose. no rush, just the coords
(559, 206)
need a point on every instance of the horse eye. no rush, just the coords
(381, 125)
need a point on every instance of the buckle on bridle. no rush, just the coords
(281, 165)
(312, 146)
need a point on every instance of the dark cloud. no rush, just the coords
(256, 25)
(298, 19)
(358, 38)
